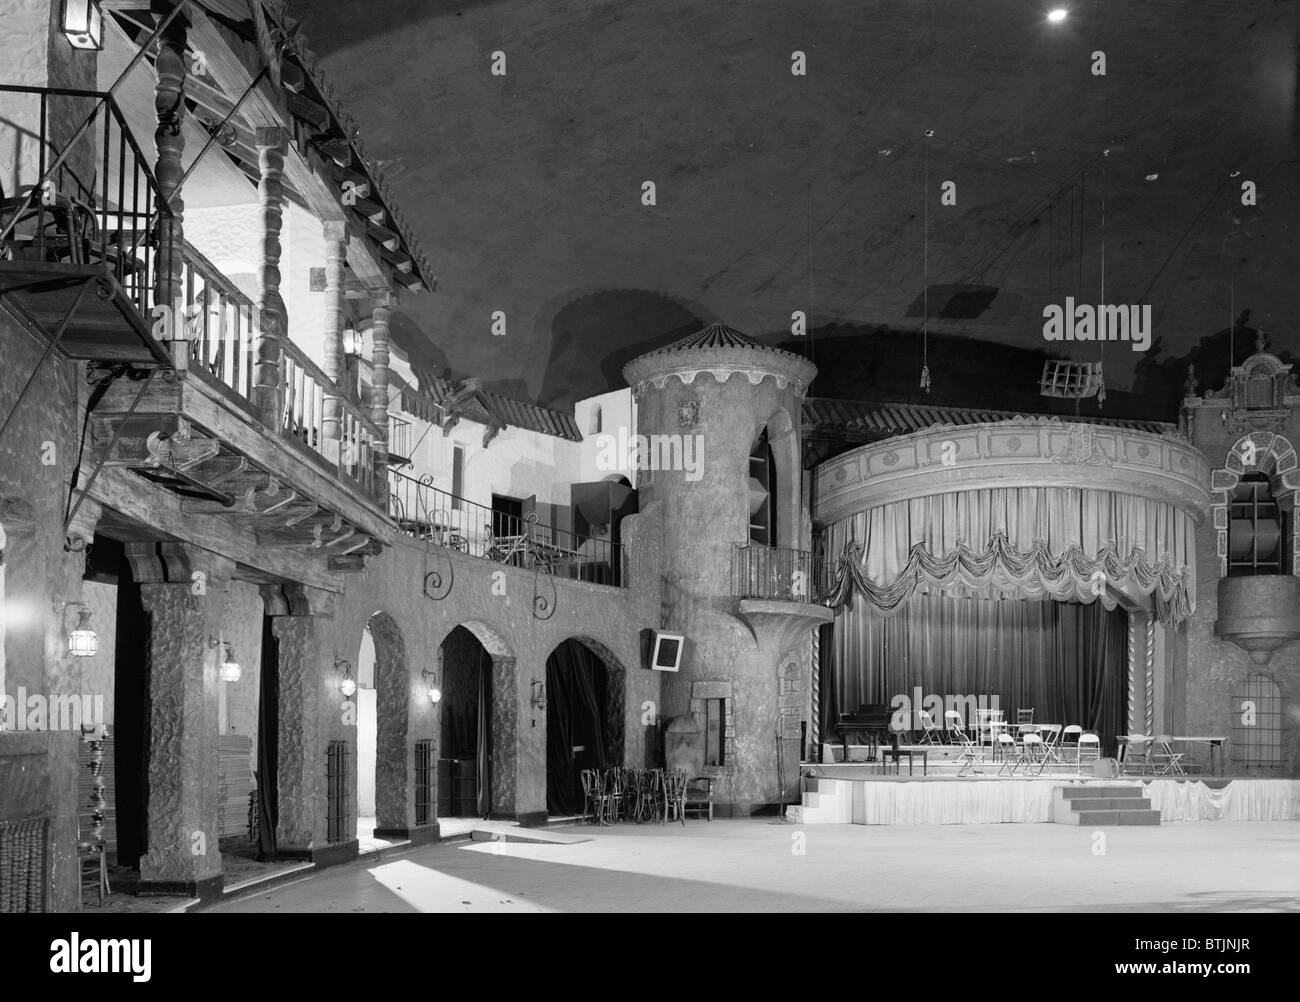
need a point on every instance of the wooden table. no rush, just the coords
(1216, 744)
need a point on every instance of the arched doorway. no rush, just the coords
(585, 692)
(464, 760)
(367, 736)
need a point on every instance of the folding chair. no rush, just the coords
(1069, 745)
(1033, 751)
(1012, 755)
(984, 726)
(967, 758)
(928, 730)
(1089, 749)
(1166, 761)
(1137, 755)
(1051, 735)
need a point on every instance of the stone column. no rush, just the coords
(185, 605)
(308, 718)
(268, 388)
(336, 247)
(379, 385)
(169, 142)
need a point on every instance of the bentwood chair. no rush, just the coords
(674, 796)
(1089, 749)
(699, 796)
(1167, 762)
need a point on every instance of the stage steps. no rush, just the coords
(1102, 805)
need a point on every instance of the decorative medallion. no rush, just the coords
(891, 459)
(688, 413)
(841, 475)
(1082, 448)
(1143, 452)
(1013, 443)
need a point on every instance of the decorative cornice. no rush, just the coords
(721, 352)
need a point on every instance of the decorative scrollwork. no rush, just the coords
(544, 606)
(438, 582)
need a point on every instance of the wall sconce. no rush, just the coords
(348, 685)
(539, 694)
(351, 342)
(435, 694)
(83, 24)
(83, 642)
(228, 670)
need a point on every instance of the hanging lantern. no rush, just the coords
(83, 24)
(83, 642)
(230, 670)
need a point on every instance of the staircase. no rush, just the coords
(1102, 805)
(825, 801)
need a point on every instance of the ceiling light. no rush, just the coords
(1152, 177)
(1058, 15)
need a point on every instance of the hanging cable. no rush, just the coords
(925, 260)
(1101, 303)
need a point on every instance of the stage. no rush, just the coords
(859, 793)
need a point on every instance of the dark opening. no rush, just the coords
(1257, 529)
(463, 768)
(268, 742)
(577, 737)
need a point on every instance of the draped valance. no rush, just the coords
(1062, 543)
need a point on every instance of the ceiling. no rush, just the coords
(778, 192)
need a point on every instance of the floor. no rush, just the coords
(761, 865)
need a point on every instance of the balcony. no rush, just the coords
(425, 512)
(254, 471)
(774, 573)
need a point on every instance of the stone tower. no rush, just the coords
(718, 433)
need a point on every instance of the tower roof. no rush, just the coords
(717, 335)
(721, 350)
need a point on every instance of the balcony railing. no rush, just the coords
(425, 512)
(774, 573)
(83, 193)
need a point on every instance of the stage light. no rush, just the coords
(1058, 15)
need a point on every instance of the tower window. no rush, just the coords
(1257, 529)
(762, 493)
(595, 420)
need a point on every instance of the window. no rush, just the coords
(1257, 529)
(595, 419)
(336, 793)
(715, 719)
(457, 476)
(762, 493)
(1258, 722)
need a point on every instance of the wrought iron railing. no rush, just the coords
(776, 573)
(83, 194)
(426, 512)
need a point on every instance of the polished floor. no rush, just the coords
(756, 865)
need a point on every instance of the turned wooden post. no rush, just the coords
(169, 144)
(379, 385)
(336, 246)
(268, 384)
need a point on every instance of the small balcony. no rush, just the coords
(425, 512)
(774, 573)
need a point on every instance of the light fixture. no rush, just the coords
(435, 694)
(83, 642)
(351, 342)
(348, 685)
(1152, 177)
(228, 670)
(539, 694)
(1057, 15)
(83, 24)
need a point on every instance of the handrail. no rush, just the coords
(774, 573)
(441, 518)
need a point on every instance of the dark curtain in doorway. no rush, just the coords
(1067, 660)
(576, 693)
(131, 720)
(268, 741)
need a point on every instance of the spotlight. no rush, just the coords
(1058, 15)
(1152, 177)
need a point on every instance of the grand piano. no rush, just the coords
(871, 720)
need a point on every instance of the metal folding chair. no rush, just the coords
(1051, 735)
(1137, 755)
(1089, 749)
(1069, 745)
(928, 730)
(1011, 754)
(968, 758)
(1033, 751)
(1164, 759)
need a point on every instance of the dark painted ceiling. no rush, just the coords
(779, 193)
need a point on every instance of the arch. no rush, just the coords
(570, 707)
(1262, 452)
(616, 697)
(466, 737)
(393, 801)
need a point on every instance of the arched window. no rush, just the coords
(1257, 529)
(595, 419)
(762, 493)
(1258, 722)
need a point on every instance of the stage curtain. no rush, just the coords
(1066, 660)
(576, 688)
(1023, 542)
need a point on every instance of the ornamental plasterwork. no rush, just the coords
(721, 374)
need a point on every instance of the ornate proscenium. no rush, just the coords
(1259, 613)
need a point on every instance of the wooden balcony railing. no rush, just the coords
(774, 573)
(443, 519)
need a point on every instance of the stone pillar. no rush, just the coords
(169, 141)
(185, 605)
(336, 246)
(379, 386)
(268, 385)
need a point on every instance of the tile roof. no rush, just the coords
(899, 419)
